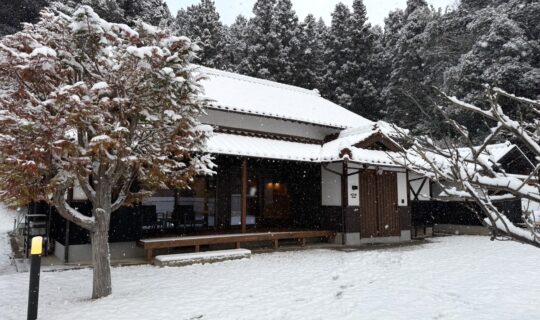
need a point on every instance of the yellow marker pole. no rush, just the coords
(35, 266)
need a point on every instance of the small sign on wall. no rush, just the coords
(353, 192)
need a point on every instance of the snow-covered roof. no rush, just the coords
(494, 152)
(234, 92)
(230, 144)
(349, 137)
(247, 146)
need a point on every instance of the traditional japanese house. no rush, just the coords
(287, 160)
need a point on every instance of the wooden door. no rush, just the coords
(387, 211)
(369, 224)
(378, 204)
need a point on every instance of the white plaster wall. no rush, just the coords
(425, 192)
(83, 252)
(331, 185)
(402, 189)
(257, 123)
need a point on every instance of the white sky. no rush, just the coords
(377, 9)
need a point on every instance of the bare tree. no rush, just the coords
(97, 105)
(471, 172)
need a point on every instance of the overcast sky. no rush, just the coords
(377, 9)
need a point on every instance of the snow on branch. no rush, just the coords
(101, 103)
(472, 172)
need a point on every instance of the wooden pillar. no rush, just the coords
(344, 198)
(244, 193)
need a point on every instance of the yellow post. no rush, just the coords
(37, 246)
(35, 265)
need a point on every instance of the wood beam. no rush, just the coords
(244, 193)
(344, 198)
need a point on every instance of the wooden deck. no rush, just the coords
(150, 245)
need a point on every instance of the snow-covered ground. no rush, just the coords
(460, 277)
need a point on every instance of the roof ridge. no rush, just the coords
(260, 81)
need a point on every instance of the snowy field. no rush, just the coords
(450, 278)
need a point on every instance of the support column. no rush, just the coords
(344, 199)
(244, 193)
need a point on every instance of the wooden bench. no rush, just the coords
(185, 259)
(196, 241)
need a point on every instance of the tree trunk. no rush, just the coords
(101, 257)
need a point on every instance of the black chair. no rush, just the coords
(184, 216)
(149, 218)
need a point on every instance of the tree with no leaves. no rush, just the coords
(97, 105)
(471, 172)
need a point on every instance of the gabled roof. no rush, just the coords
(354, 137)
(243, 94)
(257, 147)
(493, 152)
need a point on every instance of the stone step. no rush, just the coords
(184, 259)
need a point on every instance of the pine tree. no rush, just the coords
(362, 90)
(201, 23)
(337, 56)
(236, 47)
(263, 42)
(287, 32)
(109, 10)
(406, 92)
(309, 65)
(14, 13)
(154, 12)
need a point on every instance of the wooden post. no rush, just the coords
(244, 193)
(344, 198)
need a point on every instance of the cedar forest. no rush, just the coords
(382, 73)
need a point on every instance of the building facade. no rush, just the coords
(287, 159)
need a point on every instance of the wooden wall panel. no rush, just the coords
(379, 216)
(368, 204)
(389, 224)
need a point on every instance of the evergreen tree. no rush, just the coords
(154, 12)
(236, 46)
(504, 51)
(337, 56)
(109, 10)
(405, 93)
(309, 65)
(263, 42)
(15, 12)
(364, 95)
(287, 32)
(201, 23)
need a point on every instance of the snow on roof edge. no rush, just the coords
(316, 108)
(276, 116)
(260, 81)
